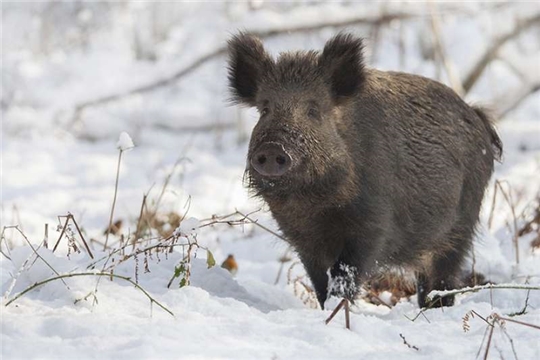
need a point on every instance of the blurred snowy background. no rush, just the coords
(76, 74)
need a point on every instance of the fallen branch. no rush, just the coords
(110, 275)
(436, 295)
(443, 293)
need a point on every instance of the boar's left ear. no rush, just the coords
(248, 62)
(343, 62)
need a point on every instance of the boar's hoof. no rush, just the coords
(271, 160)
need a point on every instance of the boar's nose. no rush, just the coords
(271, 160)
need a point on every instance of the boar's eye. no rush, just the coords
(313, 113)
(264, 111)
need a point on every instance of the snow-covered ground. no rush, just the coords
(54, 164)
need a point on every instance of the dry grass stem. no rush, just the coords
(120, 151)
(69, 217)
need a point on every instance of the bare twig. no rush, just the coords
(524, 310)
(46, 237)
(493, 202)
(342, 304)
(505, 333)
(406, 343)
(491, 52)
(509, 104)
(510, 201)
(171, 173)
(246, 219)
(488, 345)
(497, 316)
(283, 259)
(437, 295)
(3, 240)
(72, 218)
(81, 235)
(37, 253)
(195, 64)
(125, 278)
(449, 67)
(138, 228)
(62, 232)
(255, 222)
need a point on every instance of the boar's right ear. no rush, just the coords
(343, 63)
(248, 62)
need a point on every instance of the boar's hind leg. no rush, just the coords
(444, 270)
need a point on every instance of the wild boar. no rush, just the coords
(363, 169)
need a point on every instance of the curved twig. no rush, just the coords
(125, 278)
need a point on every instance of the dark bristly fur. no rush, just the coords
(386, 168)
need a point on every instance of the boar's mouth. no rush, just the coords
(267, 185)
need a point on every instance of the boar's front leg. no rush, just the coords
(344, 280)
(319, 278)
(344, 284)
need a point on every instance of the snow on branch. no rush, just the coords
(443, 293)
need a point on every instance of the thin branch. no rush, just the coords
(444, 293)
(61, 233)
(138, 228)
(255, 222)
(283, 259)
(516, 321)
(372, 21)
(343, 303)
(490, 336)
(72, 218)
(513, 102)
(37, 253)
(246, 219)
(406, 343)
(3, 240)
(492, 51)
(125, 278)
(449, 67)
(81, 235)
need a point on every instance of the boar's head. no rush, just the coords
(303, 98)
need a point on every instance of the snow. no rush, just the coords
(55, 163)
(125, 143)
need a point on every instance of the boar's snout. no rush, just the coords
(270, 159)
